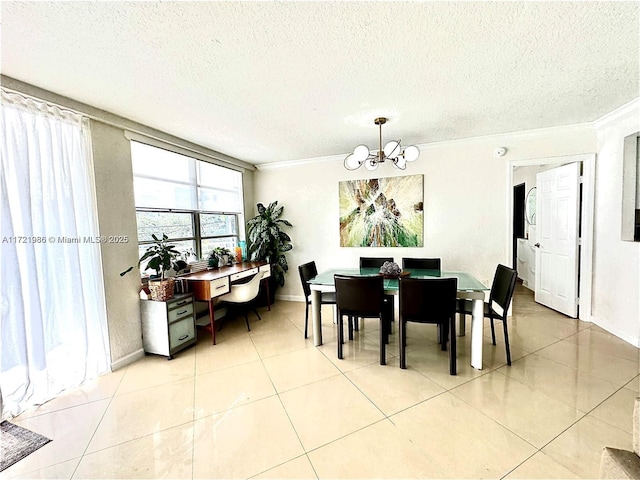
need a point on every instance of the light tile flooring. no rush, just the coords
(267, 404)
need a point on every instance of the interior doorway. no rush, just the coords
(518, 219)
(587, 214)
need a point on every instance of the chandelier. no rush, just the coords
(392, 151)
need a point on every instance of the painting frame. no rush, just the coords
(382, 212)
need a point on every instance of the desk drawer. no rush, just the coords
(219, 287)
(267, 269)
(247, 273)
(181, 332)
(180, 312)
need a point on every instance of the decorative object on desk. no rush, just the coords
(392, 151)
(392, 270)
(243, 247)
(160, 256)
(16, 443)
(382, 212)
(267, 241)
(219, 257)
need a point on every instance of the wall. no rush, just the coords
(116, 216)
(616, 287)
(466, 197)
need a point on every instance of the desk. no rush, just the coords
(208, 285)
(468, 287)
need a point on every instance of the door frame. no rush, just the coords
(587, 209)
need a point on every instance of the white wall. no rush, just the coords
(616, 270)
(116, 216)
(465, 192)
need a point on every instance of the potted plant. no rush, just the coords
(266, 241)
(161, 256)
(219, 257)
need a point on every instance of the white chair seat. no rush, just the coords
(243, 292)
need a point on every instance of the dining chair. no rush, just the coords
(504, 282)
(422, 263)
(242, 295)
(308, 271)
(429, 300)
(374, 262)
(377, 262)
(363, 297)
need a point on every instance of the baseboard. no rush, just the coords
(127, 360)
(611, 328)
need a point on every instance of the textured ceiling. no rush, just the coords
(277, 81)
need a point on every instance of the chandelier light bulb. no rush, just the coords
(411, 153)
(350, 163)
(392, 149)
(360, 153)
(400, 162)
(370, 164)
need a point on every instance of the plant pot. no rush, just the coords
(161, 291)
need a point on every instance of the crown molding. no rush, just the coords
(495, 138)
(628, 110)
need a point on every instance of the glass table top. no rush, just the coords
(466, 281)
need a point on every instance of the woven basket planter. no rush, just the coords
(162, 291)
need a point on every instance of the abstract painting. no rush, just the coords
(382, 212)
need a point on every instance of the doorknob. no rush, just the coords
(537, 245)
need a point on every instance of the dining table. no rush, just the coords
(469, 287)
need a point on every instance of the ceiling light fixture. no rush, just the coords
(392, 151)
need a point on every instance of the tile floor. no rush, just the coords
(267, 404)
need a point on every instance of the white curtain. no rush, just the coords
(53, 329)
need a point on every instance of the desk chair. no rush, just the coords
(429, 300)
(308, 271)
(504, 282)
(361, 297)
(422, 263)
(377, 262)
(242, 295)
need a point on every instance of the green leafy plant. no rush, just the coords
(215, 257)
(266, 240)
(161, 256)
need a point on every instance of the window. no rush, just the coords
(198, 205)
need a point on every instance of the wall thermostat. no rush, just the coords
(499, 152)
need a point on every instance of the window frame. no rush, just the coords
(195, 184)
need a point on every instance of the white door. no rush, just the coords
(558, 221)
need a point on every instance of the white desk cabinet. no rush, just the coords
(168, 327)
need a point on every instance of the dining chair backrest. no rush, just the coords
(423, 263)
(428, 300)
(307, 271)
(504, 282)
(359, 296)
(374, 262)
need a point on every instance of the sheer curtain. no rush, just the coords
(53, 329)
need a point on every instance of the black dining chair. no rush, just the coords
(377, 262)
(504, 282)
(358, 296)
(308, 271)
(429, 300)
(422, 263)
